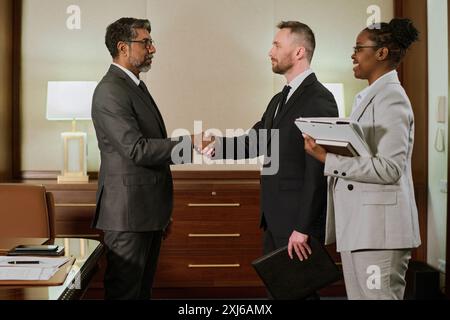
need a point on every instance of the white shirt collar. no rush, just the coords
(129, 73)
(297, 81)
(360, 96)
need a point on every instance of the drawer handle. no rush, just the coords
(76, 205)
(214, 266)
(214, 235)
(197, 205)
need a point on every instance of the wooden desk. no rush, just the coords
(87, 253)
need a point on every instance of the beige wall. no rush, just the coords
(52, 52)
(211, 63)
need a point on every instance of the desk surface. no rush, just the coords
(87, 253)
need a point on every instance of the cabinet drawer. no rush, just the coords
(74, 213)
(74, 197)
(217, 268)
(77, 229)
(224, 206)
(214, 234)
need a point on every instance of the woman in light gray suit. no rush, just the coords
(372, 213)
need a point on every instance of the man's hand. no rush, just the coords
(202, 143)
(314, 149)
(299, 242)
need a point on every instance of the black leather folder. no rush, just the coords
(288, 279)
(37, 250)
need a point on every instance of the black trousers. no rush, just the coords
(131, 264)
(272, 243)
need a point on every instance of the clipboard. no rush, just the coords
(58, 278)
(338, 130)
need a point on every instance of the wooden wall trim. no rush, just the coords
(16, 85)
(414, 67)
(178, 175)
(6, 54)
(398, 13)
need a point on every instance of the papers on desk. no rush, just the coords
(17, 268)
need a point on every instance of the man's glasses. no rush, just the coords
(148, 43)
(357, 49)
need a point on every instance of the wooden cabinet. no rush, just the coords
(215, 235)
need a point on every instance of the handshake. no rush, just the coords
(204, 144)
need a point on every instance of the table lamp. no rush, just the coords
(337, 89)
(71, 100)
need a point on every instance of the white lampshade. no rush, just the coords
(337, 89)
(70, 100)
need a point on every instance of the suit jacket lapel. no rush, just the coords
(147, 99)
(268, 123)
(155, 109)
(377, 87)
(295, 96)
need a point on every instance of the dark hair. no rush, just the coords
(124, 30)
(304, 31)
(397, 35)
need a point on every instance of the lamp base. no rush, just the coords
(72, 179)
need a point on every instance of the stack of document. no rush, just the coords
(29, 268)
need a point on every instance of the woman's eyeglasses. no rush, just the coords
(357, 49)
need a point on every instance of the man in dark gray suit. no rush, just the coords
(134, 197)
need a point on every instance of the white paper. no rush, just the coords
(24, 273)
(46, 268)
(43, 262)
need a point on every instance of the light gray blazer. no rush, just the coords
(371, 202)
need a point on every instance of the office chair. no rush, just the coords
(26, 211)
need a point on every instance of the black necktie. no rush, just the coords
(284, 95)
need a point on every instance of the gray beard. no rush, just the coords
(145, 68)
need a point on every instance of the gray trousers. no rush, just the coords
(375, 274)
(132, 259)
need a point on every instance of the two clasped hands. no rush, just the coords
(204, 144)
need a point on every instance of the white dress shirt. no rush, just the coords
(360, 96)
(295, 83)
(129, 73)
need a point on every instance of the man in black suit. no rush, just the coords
(293, 199)
(134, 197)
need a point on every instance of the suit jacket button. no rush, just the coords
(336, 172)
(350, 187)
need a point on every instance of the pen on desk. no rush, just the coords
(23, 262)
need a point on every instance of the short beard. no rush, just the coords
(142, 67)
(281, 68)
